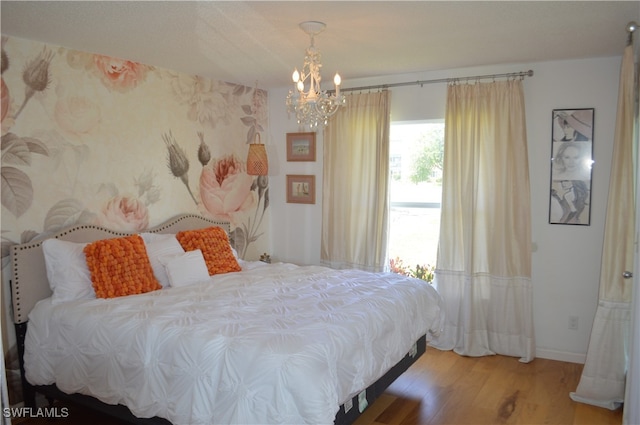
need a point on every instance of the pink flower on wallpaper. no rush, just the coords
(118, 74)
(77, 115)
(225, 190)
(125, 214)
(207, 100)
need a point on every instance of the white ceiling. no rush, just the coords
(260, 42)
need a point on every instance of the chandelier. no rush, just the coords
(311, 105)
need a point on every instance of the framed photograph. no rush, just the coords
(571, 166)
(301, 189)
(301, 146)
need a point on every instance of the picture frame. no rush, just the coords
(301, 146)
(301, 188)
(571, 166)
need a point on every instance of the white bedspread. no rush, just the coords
(271, 344)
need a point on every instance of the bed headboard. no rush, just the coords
(29, 282)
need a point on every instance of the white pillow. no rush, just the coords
(158, 246)
(67, 270)
(186, 268)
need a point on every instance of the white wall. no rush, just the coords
(566, 258)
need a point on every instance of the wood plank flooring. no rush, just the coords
(445, 388)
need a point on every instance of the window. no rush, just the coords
(415, 160)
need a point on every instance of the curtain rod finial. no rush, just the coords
(631, 27)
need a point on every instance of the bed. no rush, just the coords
(269, 343)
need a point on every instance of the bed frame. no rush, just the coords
(29, 285)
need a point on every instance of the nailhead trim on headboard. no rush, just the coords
(28, 261)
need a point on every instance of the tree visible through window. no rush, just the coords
(416, 159)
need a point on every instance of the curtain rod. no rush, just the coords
(520, 74)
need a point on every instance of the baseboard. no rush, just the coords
(562, 356)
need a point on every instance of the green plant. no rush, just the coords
(424, 272)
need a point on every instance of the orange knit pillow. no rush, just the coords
(215, 247)
(120, 267)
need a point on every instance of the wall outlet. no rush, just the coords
(573, 323)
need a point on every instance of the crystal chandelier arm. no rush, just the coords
(313, 106)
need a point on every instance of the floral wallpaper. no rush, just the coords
(93, 139)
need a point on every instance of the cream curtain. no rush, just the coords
(603, 378)
(355, 204)
(483, 269)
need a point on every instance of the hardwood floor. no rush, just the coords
(445, 388)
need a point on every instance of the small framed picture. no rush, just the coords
(301, 189)
(301, 146)
(571, 163)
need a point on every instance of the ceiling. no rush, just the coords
(260, 42)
